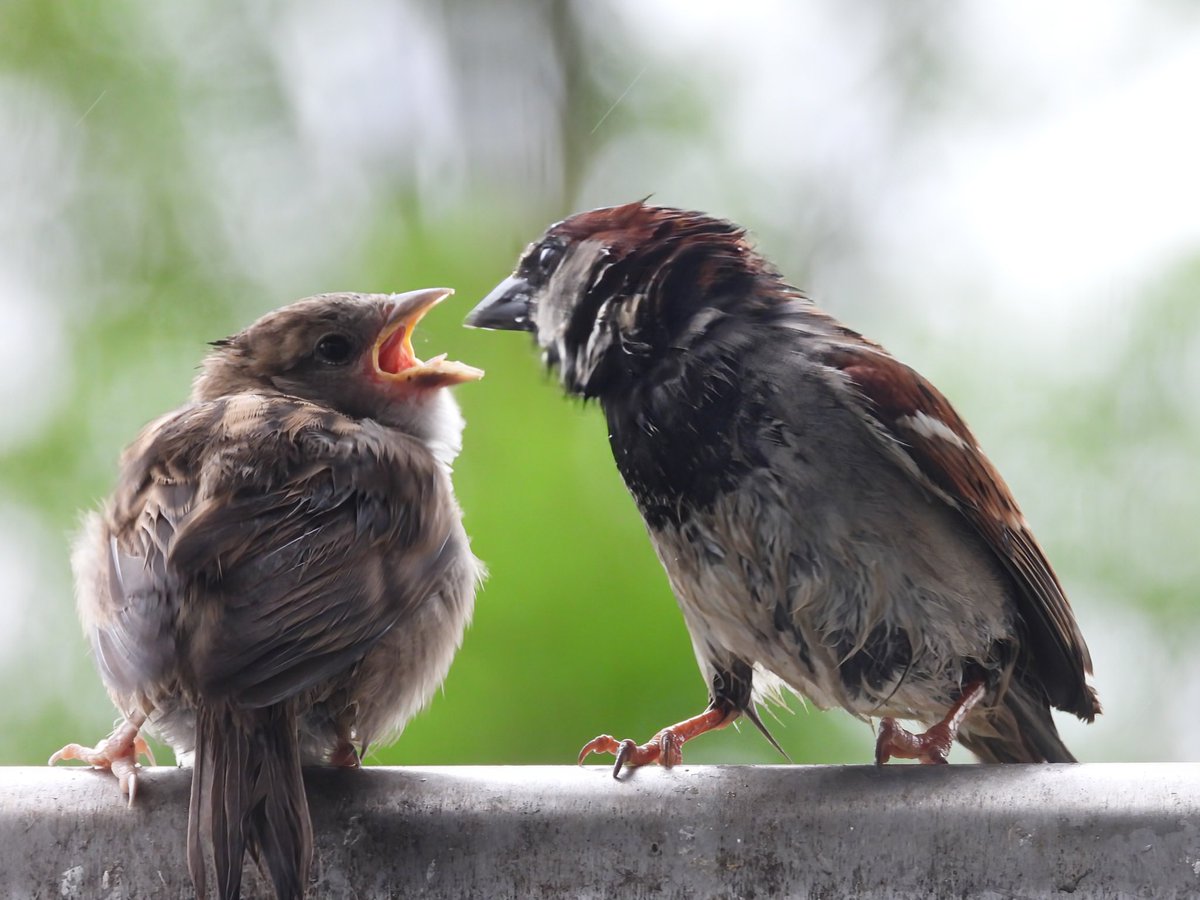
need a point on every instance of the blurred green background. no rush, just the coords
(1007, 198)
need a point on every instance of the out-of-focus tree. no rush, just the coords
(168, 173)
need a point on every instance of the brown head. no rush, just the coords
(349, 352)
(607, 290)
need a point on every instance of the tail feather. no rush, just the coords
(247, 787)
(280, 829)
(1019, 730)
(195, 844)
(229, 790)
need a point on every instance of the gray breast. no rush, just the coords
(830, 568)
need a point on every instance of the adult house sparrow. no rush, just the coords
(824, 516)
(281, 576)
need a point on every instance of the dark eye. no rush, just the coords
(548, 257)
(334, 349)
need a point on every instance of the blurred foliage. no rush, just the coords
(576, 631)
(172, 173)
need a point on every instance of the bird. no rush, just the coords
(281, 576)
(827, 521)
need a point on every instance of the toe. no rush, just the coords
(671, 753)
(77, 752)
(141, 748)
(604, 743)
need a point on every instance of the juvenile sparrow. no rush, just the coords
(281, 576)
(824, 516)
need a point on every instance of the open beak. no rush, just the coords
(507, 308)
(393, 357)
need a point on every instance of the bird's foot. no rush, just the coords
(119, 753)
(933, 746)
(665, 748)
(345, 756)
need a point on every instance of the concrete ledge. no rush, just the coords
(1090, 830)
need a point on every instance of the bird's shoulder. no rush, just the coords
(253, 442)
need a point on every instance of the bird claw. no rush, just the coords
(345, 756)
(665, 748)
(933, 746)
(119, 753)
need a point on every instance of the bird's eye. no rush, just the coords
(549, 256)
(334, 349)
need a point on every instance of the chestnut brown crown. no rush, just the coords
(611, 291)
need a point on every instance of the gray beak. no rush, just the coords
(507, 308)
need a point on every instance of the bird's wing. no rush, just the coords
(920, 430)
(291, 540)
(132, 599)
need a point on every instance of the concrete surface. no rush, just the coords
(750, 832)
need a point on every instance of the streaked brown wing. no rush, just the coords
(305, 538)
(137, 597)
(928, 439)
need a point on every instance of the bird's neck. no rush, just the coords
(433, 419)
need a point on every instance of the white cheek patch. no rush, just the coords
(559, 299)
(576, 272)
(698, 326)
(928, 427)
(628, 315)
(598, 339)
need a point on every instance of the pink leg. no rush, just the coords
(118, 753)
(665, 748)
(934, 745)
(344, 756)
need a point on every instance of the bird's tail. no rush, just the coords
(1019, 729)
(247, 786)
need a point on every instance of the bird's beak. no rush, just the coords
(392, 356)
(507, 308)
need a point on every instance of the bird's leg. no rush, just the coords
(666, 747)
(934, 745)
(119, 753)
(345, 756)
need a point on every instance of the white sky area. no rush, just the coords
(1050, 183)
(1064, 174)
(1097, 189)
